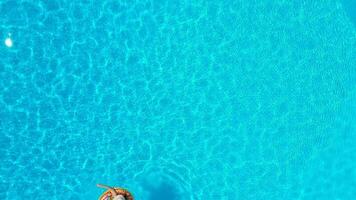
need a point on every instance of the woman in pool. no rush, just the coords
(115, 193)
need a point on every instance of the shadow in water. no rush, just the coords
(350, 8)
(161, 188)
(163, 191)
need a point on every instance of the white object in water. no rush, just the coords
(119, 197)
(8, 42)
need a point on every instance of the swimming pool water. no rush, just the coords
(178, 99)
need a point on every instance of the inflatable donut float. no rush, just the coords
(107, 195)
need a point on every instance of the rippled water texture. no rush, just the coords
(350, 8)
(178, 99)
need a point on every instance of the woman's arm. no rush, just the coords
(112, 190)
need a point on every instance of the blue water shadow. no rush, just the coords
(164, 192)
(350, 8)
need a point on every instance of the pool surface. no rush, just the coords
(175, 100)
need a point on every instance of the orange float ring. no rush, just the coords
(123, 192)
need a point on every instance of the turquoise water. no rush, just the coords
(178, 99)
